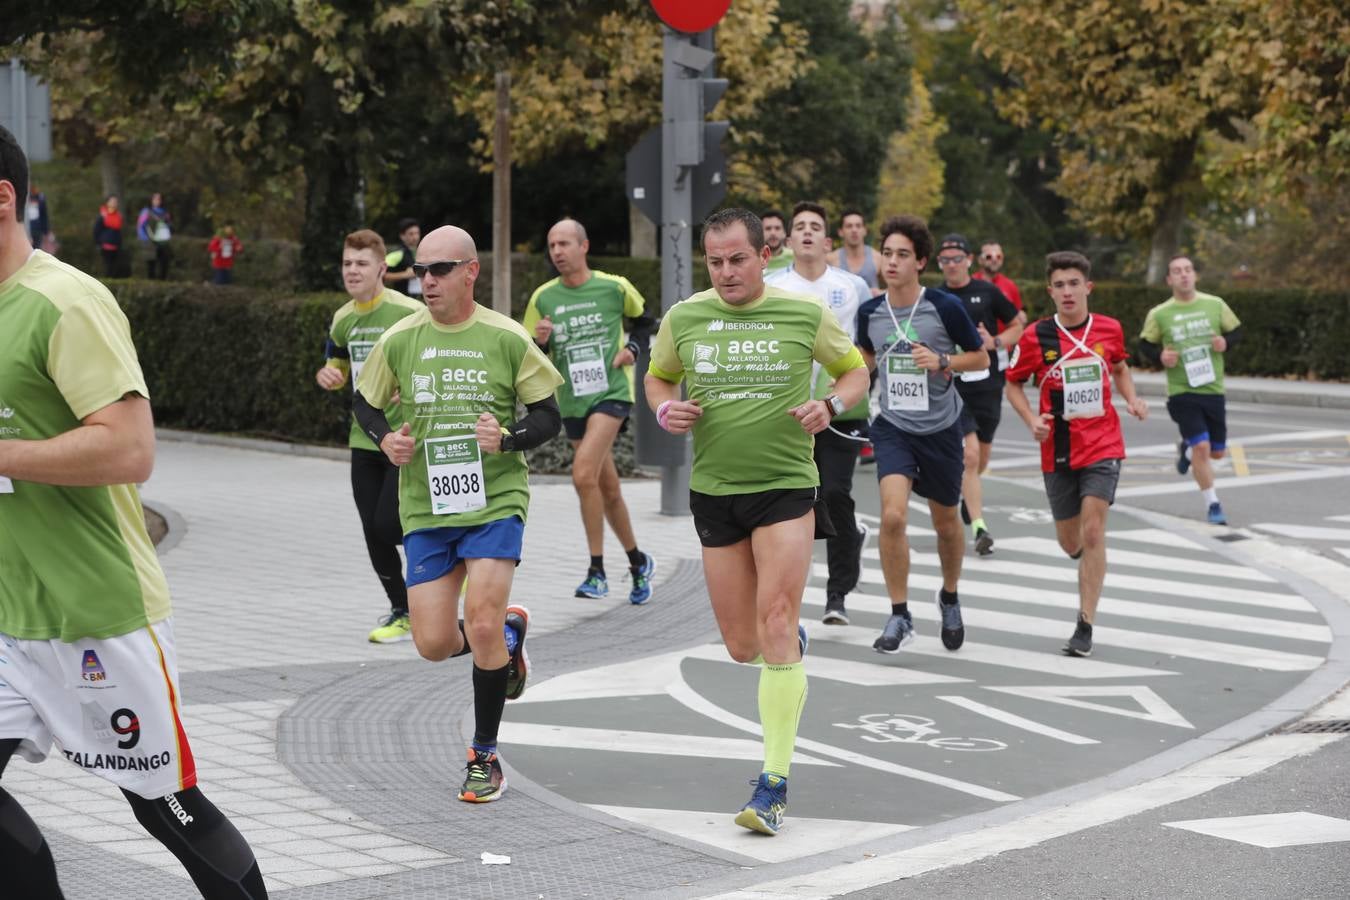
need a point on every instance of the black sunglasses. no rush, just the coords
(439, 269)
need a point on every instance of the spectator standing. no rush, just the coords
(224, 248)
(398, 263)
(39, 227)
(108, 234)
(153, 230)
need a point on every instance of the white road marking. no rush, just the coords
(1150, 490)
(1047, 663)
(799, 837)
(700, 704)
(1152, 708)
(1028, 831)
(1304, 532)
(1164, 587)
(1156, 562)
(1154, 536)
(1007, 718)
(1170, 450)
(1294, 829)
(616, 741)
(1068, 602)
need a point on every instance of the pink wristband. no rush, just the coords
(661, 415)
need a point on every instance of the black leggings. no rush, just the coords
(375, 489)
(835, 458)
(208, 845)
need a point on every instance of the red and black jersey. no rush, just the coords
(1073, 443)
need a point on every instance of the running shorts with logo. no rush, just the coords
(447, 376)
(1066, 488)
(587, 335)
(1043, 351)
(721, 521)
(110, 704)
(981, 412)
(434, 552)
(1200, 418)
(746, 366)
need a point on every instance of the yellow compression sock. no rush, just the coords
(782, 695)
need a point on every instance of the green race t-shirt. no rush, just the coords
(747, 366)
(356, 327)
(1189, 328)
(447, 376)
(75, 562)
(587, 333)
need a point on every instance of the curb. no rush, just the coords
(1273, 392)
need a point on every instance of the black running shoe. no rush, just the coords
(898, 632)
(1081, 642)
(953, 628)
(984, 542)
(834, 610)
(1183, 461)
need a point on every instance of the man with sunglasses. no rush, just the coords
(356, 326)
(577, 318)
(991, 270)
(459, 369)
(1000, 325)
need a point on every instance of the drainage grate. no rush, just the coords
(1326, 726)
(1230, 537)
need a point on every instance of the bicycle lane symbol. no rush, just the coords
(897, 728)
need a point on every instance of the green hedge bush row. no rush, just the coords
(240, 360)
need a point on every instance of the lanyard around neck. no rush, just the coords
(1079, 344)
(901, 332)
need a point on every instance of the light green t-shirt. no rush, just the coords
(781, 261)
(747, 366)
(356, 327)
(587, 333)
(75, 562)
(447, 376)
(1189, 328)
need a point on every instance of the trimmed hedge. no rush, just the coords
(241, 361)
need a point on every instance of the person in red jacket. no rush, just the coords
(108, 234)
(224, 249)
(1074, 356)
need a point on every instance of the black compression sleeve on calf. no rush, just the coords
(489, 700)
(216, 856)
(465, 650)
(1150, 352)
(25, 858)
(541, 421)
(371, 420)
(1233, 338)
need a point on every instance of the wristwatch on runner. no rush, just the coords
(834, 405)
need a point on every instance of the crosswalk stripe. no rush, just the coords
(574, 738)
(1156, 612)
(1067, 575)
(1149, 490)
(1145, 641)
(1150, 707)
(1047, 662)
(1305, 532)
(1069, 572)
(1154, 536)
(1007, 718)
(1041, 546)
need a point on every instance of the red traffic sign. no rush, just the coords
(691, 16)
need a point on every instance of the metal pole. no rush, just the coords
(676, 277)
(501, 197)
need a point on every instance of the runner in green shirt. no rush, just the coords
(744, 351)
(775, 237)
(86, 637)
(357, 325)
(1190, 335)
(459, 370)
(578, 319)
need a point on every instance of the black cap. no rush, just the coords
(955, 240)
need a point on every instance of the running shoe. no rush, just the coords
(518, 667)
(1081, 642)
(803, 639)
(898, 632)
(984, 542)
(393, 628)
(953, 629)
(594, 587)
(1215, 514)
(834, 610)
(764, 812)
(484, 780)
(1183, 461)
(642, 581)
